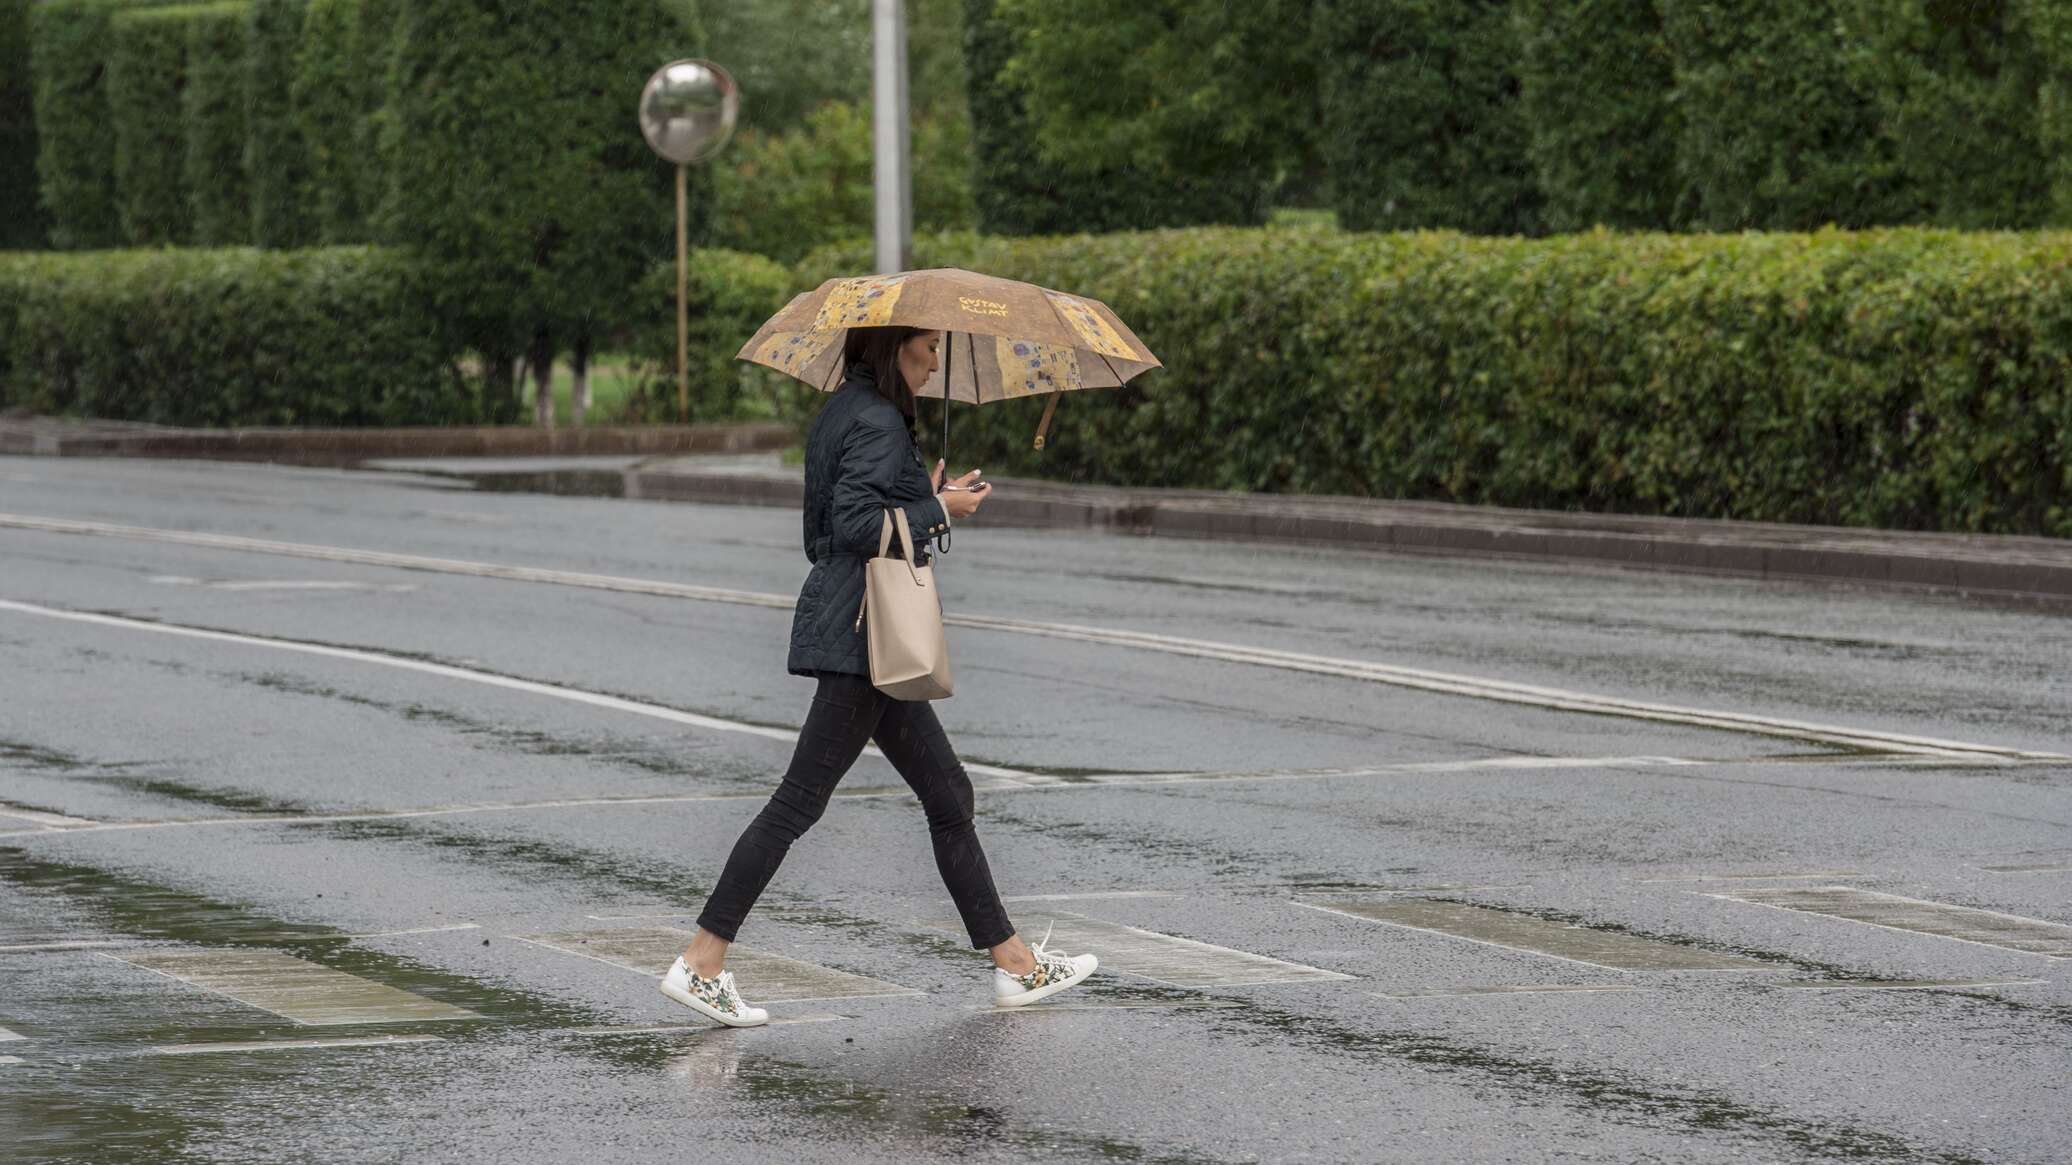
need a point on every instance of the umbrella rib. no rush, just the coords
(1111, 369)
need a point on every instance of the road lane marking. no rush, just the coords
(448, 671)
(764, 976)
(308, 993)
(8, 1061)
(1529, 989)
(1407, 677)
(8, 1037)
(1536, 936)
(1990, 928)
(1166, 959)
(1901, 984)
(291, 1045)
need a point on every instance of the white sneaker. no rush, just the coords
(1053, 973)
(716, 999)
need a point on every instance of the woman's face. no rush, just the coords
(917, 358)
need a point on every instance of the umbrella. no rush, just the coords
(1001, 339)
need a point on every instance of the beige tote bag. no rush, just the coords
(910, 659)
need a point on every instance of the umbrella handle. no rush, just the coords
(1043, 426)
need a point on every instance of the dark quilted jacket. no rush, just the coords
(859, 460)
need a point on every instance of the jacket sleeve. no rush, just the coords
(863, 488)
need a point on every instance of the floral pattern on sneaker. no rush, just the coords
(717, 993)
(1044, 974)
(1049, 968)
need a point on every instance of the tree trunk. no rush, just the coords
(579, 368)
(500, 387)
(542, 360)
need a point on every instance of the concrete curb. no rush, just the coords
(39, 436)
(1984, 564)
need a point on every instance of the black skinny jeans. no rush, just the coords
(847, 711)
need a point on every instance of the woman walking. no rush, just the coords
(861, 458)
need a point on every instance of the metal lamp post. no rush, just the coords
(687, 112)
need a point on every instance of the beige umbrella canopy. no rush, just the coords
(1001, 339)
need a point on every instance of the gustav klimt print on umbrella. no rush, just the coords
(1001, 339)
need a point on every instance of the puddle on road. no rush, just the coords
(141, 910)
(567, 483)
(115, 1110)
(1600, 1094)
(723, 1070)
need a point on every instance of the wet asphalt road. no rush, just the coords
(456, 814)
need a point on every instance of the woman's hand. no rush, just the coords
(961, 497)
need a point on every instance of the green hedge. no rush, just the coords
(75, 160)
(730, 294)
(373, 50)
(275, 155)
(231, 336)
(215, 120)
(26, 225)
(328, 97)
(147, 79)
(1899, 378)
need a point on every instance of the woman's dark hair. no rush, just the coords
(878, 350)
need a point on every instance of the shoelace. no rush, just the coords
(1058, 964)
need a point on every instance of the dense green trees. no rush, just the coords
(1423, 123)
(1596, 94)
(516, 168)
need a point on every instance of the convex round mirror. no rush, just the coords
(687, 110)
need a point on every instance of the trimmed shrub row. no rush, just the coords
(25, 226)
(1905, 378)
(275, 155)
(215, 124)
(231, 336)
(69, 43)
